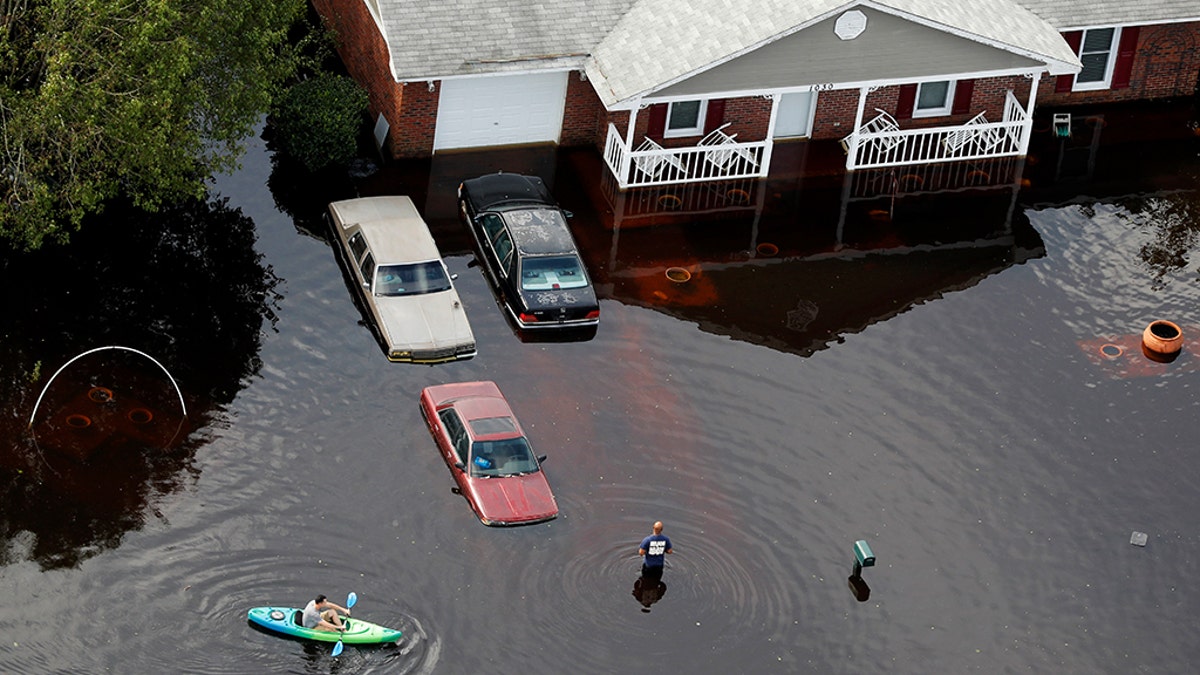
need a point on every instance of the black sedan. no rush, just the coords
(527, 252)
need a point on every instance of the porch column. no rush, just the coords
(1027, 130)
(852, 148)
(765, 168)
(626, 160)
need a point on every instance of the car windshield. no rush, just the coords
(508, 457)
(545, 273)
(412, 279)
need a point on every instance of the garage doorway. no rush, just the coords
(481, 112)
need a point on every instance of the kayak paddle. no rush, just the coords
(351, 600)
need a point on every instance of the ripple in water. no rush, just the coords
(719, 581)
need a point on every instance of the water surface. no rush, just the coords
(930, 382)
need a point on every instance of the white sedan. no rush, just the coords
(391, 258)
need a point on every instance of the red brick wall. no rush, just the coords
(364, 54)
(749, 117)
(834, 116)
(412, 128)
(583, 118)
(1167, 64)
(620, 120)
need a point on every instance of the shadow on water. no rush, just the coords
(793, 262)
(186, 288)
(303, 195)
(649, 589)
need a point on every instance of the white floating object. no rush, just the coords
(1138, 538)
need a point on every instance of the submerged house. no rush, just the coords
(689, 91)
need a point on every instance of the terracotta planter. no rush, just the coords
(678, 274)
(1162, 339)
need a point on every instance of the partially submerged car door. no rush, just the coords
(456, 433)
(496, 243)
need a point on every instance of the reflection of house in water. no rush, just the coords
(1115, 151)
(800, 259)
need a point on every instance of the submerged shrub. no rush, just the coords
(317, 121)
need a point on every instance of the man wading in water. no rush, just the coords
(654, 548)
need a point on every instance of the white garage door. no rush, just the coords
(500, 110)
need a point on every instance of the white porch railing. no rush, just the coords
(977, 139)
(724, 160)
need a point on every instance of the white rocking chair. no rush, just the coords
(881, 122)
(730, 149)
(653, 165)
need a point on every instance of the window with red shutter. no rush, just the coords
(1126, 50)
(657, 122)
(908, 98)
(963, 90)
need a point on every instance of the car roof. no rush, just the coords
(392, 225)
(481, 407)
(506, 190)
(539, 231)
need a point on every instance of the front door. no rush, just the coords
(794, 118)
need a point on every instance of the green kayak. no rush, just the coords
(286, 620)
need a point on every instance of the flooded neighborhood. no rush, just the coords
(900, 353)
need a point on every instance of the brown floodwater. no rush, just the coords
(945, 362)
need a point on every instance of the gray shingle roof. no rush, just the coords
(431, 40)
(1063, 14)
(634, 46)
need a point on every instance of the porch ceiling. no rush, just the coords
(884, 53)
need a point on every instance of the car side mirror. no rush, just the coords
(569, 214)
(460, 466)
(456, 490)
(454, 277)
(541, 458)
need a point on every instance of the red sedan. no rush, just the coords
(488, 454)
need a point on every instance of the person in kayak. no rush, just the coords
(322, 614)
(655, 549)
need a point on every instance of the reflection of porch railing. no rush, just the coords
(673, 166)
(935, 178)
(977, 139)
(683, 200)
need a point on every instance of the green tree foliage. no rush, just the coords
(147, 99)
(317, 121)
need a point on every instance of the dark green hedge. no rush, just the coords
(317, 121)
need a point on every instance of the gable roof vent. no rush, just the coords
(850, 25)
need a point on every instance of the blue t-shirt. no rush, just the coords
(655, 546)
